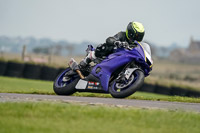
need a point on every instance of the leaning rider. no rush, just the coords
(134, 32)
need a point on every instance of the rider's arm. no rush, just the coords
(108, 47)
(118, 37)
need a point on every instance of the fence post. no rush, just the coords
(2, 51)
(50, 55)
(23, 52)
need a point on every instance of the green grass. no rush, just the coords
(39, 117)
(16, 85)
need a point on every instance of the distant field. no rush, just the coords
(178, 74)
(16, 85)
(48, 117)
(56, 61)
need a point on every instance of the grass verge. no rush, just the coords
(16, 85)
(43, 117)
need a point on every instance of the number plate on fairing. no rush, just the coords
(82, 84)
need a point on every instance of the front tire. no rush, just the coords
(65, 88)
(120, 91)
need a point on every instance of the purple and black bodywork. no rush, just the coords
(102, 73)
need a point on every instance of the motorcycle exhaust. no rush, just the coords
(74, 66)
(80, 74)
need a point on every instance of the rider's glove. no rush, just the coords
(90, 48)
(120, 44)
(91, 55)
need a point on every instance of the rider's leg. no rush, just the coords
(89, 58)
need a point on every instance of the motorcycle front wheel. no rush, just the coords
(62, 87)
(125, 89)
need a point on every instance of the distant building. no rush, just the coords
(194, 46)
(188, 55)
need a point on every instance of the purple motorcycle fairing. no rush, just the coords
(118, 59)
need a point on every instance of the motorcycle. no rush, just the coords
(121, 73)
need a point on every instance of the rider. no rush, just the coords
(134, 32)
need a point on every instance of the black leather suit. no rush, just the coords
(108, 47)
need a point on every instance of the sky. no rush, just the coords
(166, 21)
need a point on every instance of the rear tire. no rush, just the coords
(134, 86)
(68, 89)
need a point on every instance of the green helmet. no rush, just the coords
(135, 31)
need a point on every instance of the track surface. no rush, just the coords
(104, 101)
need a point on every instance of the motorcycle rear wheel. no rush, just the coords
(61, 87)
(118, 90)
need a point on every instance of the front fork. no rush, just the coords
(127, 71)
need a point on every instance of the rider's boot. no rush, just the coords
(88, 59)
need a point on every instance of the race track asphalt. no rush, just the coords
(12, 97)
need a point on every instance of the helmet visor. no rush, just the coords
(131, 33)
(139, 36)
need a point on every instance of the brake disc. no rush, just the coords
(125, 84)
